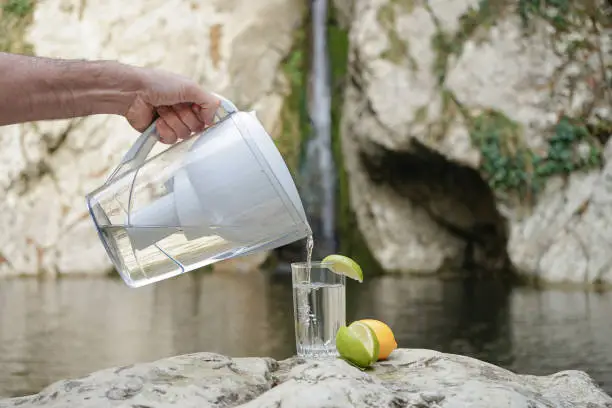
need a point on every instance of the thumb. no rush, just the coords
(140, 115)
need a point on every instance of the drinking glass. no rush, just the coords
(319, 308)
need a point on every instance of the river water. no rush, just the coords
(50, 330)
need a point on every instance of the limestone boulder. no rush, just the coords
(475, 134)
(229, 47)
(409, 378)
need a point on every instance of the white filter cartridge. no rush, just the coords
(153, 223)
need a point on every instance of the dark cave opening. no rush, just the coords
(455, 196)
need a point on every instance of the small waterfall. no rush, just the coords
(318, 170)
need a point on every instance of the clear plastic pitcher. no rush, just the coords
(222, 193)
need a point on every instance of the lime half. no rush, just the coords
(344, 265)
(358, 344)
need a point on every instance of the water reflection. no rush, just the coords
(454, 316)
(555, 331)
(56, 329)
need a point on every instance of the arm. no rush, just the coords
(37, 88)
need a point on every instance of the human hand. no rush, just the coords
(182, 105)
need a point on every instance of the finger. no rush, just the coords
(197, 111)
(206, 111)
(173, 121)
(205, 104)
(188, 117)
(166, 133)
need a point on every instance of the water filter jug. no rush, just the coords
(224, 192)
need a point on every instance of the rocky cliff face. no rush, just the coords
(235, 48)
(409, 378)
(475, 133)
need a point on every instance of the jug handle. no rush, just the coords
(141, 148)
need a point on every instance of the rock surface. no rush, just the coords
(48, 167)
(460, 125)
(409, 378)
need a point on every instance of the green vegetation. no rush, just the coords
(15, 17)
(18, 8)
(564, 15)
(556, 12)
(508, 165)
(294, 117)
(352, 243)
(295, 126)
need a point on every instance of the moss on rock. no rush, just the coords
(294, 117)
(296, 128)
(398, 50)
(15, 17)
(565, 16)
(473, 24)
(508, 165)
(352, 242)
